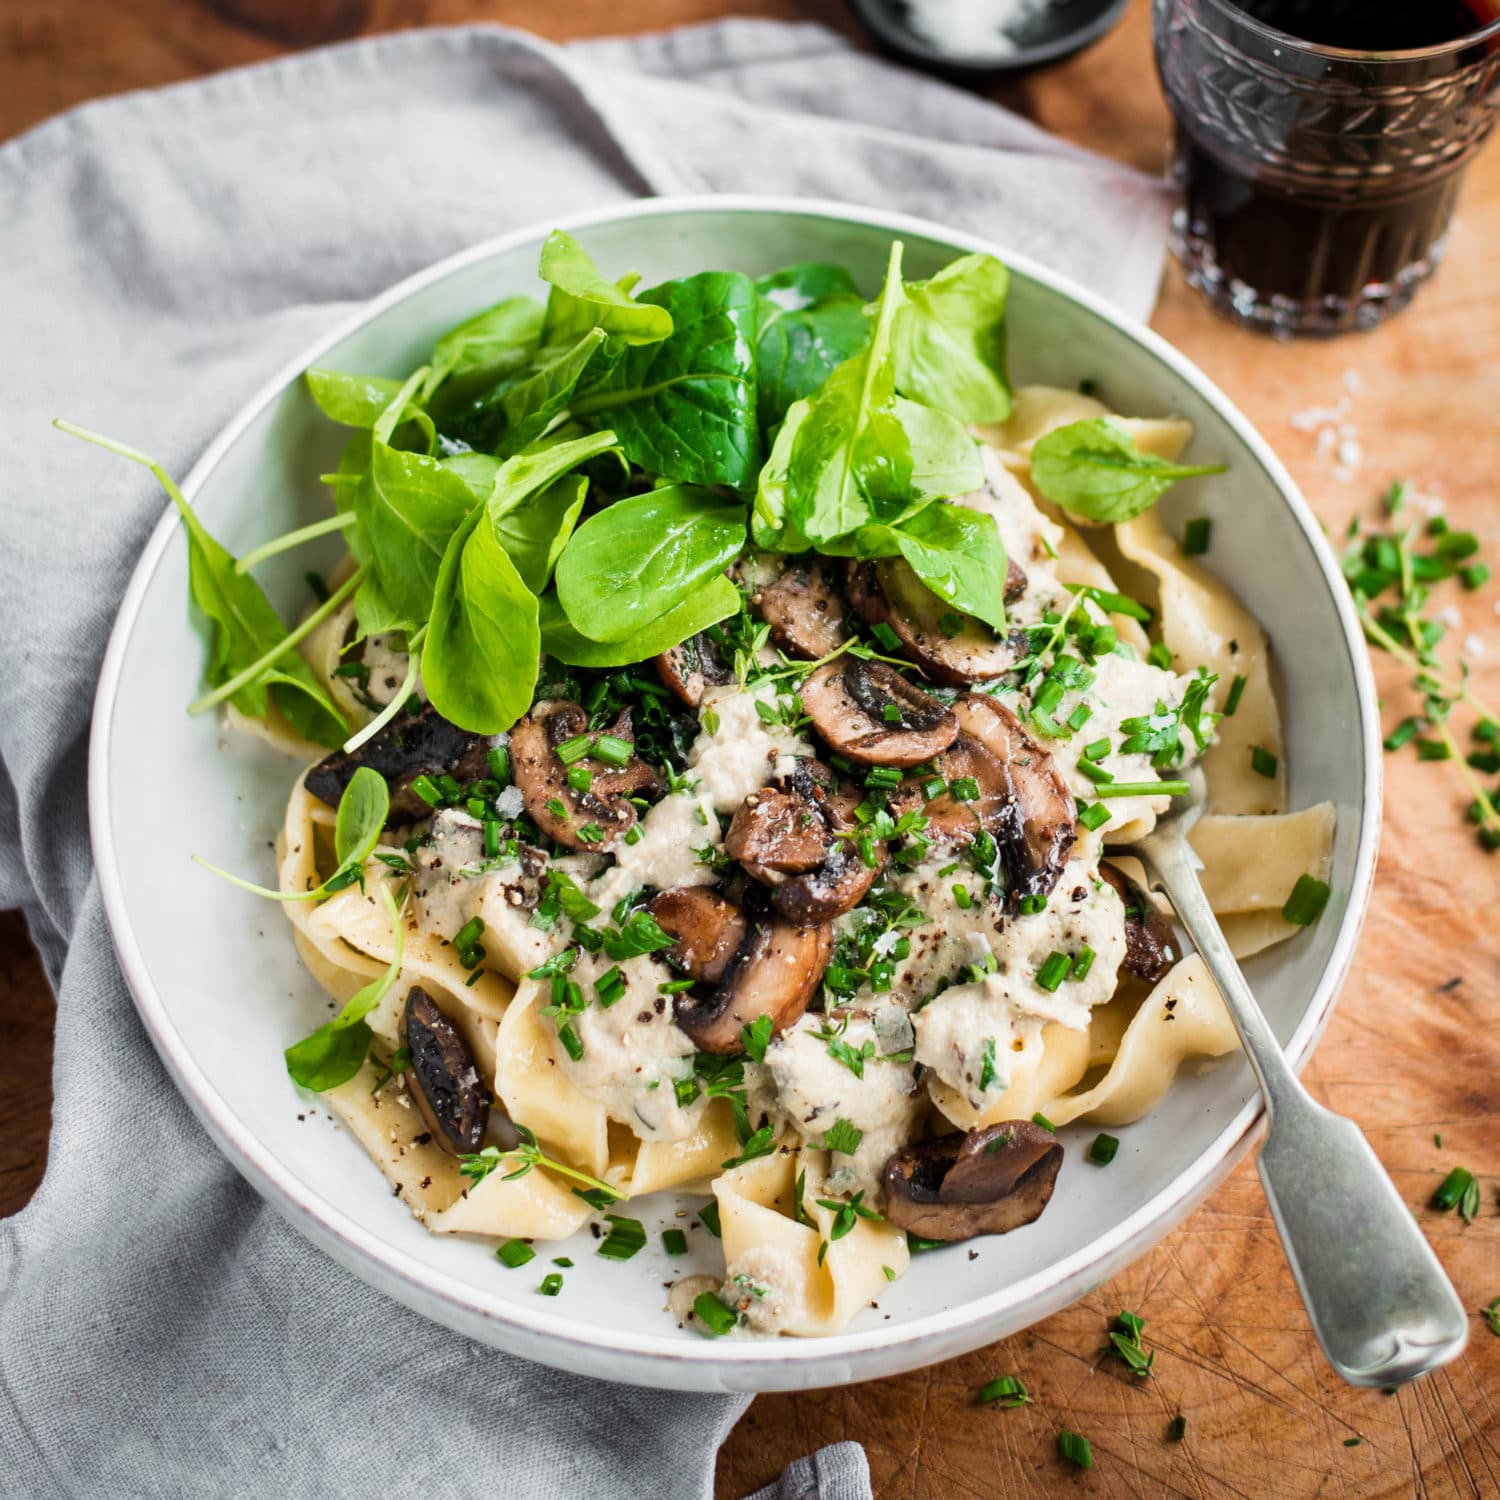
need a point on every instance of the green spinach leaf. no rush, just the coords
(685, 408)
(336, 1051)
(1094, 469)
(949, 340)
(955, 551)
(362, 400)
(479, 659)
(485, 348)
(582, 299)
(636, 561)
(810, 320)
(535, 532)
(708, 604)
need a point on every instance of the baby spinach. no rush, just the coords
(958, 554)
(708, 604)
(685, 408)
(634, 562)
(535, 532)
(810, 320)
(479, 659)
(351, 400)
(243, 626)
(485, 348)
(1094, 469)
(582, 299)
(949, 340)
(336, 1051)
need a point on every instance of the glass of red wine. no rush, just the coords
(1319, 148)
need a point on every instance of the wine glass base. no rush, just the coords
(1290, 317)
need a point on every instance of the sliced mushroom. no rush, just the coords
(410, 746)
(807, 614)
(985, 1181)
(838, 885)
(948, 645)
(871, 713)
(693, 667)
(1040, 821)
(708, 930)
(951, 820)
(1150, 943)
(776, 833)
(543, 778)
(443, 1078)
(775, 972)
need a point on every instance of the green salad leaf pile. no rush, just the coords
(573, 477)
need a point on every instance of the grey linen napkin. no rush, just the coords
(162, 1332)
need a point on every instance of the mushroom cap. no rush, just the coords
(693, 666)
(442, 1076)
(776, 832)
(775, 972)
(838, 885)
(1150, 943)
(984, 1181)
(706, 928)
(409, 746)
(807, 613)
(1040, 822)
(848, 700)
(543, 778)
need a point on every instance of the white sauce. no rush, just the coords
(740, 756)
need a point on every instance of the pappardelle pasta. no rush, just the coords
(742, 685)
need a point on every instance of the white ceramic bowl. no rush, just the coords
(164, 786)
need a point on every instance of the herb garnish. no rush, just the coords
(521, 1159)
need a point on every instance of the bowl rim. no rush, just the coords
(647, 1358)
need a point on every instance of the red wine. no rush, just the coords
(1374, 25)
(1317, 188)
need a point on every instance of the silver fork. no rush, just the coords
(1380, 1302)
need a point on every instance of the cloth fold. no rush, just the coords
(162, 1332)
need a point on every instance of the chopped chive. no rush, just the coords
(1103, 1150)
(580, 778)
(612, 750)
(1236, 692)
(716, 1319)
(625, 1238)
(674, 1242)
(886, 636)
(1177, 1428)
(1118, 604)
(1053, 971)
(1083, 963)
(1143, 789)
(1093, 815)
(1007, 1393)
(610, 987)
(917, 1243)
(1196, 536)
(1096, 749)
(964, 789)
(1404, 733)
(1160, 655)
(469, 933)
(891, 713)
(674, 986)
(708, 1217)
(633, 834)
(491, 839)
(1433, 750)
(1031, 905)
(1305, 905)
(1079, 717)
(962, 897)
(591, 833)
(885, 776)
(1040, 1119)
(426, 788)
(1450, 1194)
(1475, 576)
(1097, 774)
(573, 749)
(1262, 762)
(563, 1261)
(551, 1284)
(570, 1040)
(514, 1253)
(499, 763)
(1075, 1449)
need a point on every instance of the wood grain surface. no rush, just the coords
(1412, 1051)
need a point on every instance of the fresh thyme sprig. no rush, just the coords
(521, 1159)
(1391, 582)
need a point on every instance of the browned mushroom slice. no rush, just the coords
(949, 647)
(805, 610)
(986, 1181)
(693, 667)
(838, 885)
(1150, 943)
(777, 832)
(774, 973)
(1040, 822)
(408, 747)
(562, 812)
(707, 930)
(871, 713)
(442, 1077)
(951, 820)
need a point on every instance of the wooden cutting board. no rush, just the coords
(1413, 1050)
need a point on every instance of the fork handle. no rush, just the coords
(1380, 1302)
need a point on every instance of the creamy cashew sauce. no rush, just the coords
(962, 1007)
